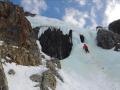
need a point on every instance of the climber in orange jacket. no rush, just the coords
(85, 47)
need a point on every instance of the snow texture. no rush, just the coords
(21, 80)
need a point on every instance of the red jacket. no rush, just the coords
(85, 46)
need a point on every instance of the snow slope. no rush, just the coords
(97, 70)
(21, 80)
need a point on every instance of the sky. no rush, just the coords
(82, 13)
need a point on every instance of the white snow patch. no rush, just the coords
(21, 80)
(8, 58)
(15, 46)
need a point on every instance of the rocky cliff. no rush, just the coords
(16, 30)
(18, 44)
(107, 39)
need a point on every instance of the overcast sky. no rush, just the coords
(83, 13)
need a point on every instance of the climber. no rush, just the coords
(82, 38)
(85, 47)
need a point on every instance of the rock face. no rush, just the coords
(107, 39)
(13, 26)
(11, 72)
(19, 55)
(36, 78)
(16, 30)
(115, 26)
(55, 44)
(56, 62)
(52, 65)
(3, 81)
(48, 81)
(48, 78)
(35, 32)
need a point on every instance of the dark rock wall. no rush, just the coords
(107, 39)
(55, 44)
(115, 26)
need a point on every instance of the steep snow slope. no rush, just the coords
(98, 70)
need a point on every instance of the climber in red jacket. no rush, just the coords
(85, 47)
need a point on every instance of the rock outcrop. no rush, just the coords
(52, 65)
(3, 80)
(56, 62)
(19, 55)
(115, 26)
(48, 78)
(107, 39)
(36, 78)
(16, 30)
(11, 72)
(48, 81)
(55, 44)
(13, 26)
